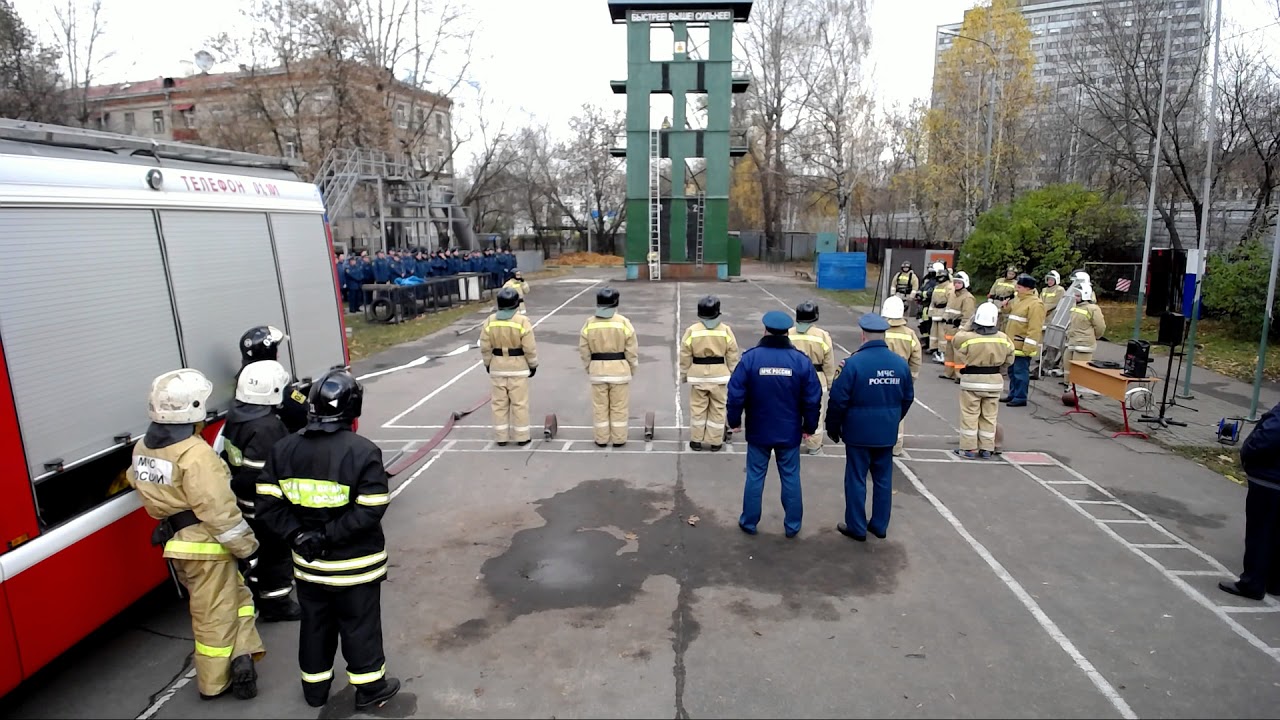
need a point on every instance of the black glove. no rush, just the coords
(246, 565)
(834, 438)
(310, 544)
(533, 371)
(486, 369)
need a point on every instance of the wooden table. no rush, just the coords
(1111, 383)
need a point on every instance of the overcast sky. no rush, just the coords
(544, 58)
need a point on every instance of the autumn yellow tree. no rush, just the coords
(746, 212)
(983, 90)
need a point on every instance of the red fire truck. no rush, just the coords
(124, 258)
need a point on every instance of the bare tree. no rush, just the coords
(582, 181)
(29, 77)
(839, 128)
(780, 57)
(80, 31)
(1249, 124)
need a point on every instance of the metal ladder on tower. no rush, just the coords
(702, 210)
(655, 205)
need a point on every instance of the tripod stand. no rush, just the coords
(1165, 402)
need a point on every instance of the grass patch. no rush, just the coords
(368, 338)
(1217, 348)
(851, 298)
(1224, 460)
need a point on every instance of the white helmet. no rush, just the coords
(1057, 279)
(1086, 293)
(939, 268)
(179, 397)
(1080, 276)
(262, 383)
(962, 276)
(987, 315)
(893, 308)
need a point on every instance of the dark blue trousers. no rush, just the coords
(858, 462)
(788, 461)
(1019, 379)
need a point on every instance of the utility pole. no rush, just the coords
(1211, 142)
(1155, 172)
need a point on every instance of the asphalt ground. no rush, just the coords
(1073, 577)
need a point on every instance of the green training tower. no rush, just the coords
(683, 233)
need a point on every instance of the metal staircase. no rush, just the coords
(701, 209)
(655, 205)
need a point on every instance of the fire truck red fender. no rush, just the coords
(398, 465)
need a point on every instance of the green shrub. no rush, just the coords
(1235, 288)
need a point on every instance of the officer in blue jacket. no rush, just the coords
(1260, 460)
(871, 395)
(779, 389)
(409, 264)
(353, 278)
(395, 264)
(381, 268)
(422, 265)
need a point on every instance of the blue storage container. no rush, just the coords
(842, 271)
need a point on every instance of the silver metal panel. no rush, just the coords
(306, 270)
(224, 282)
(87, 324)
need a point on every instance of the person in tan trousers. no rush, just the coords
(610, 355)
(815, 342)
(510, 355)
(983, 357)
(183, 483)
(905, 343)
(708, 354)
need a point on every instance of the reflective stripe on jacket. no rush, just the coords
(609, 335)
(701, 342)
(938, 300)
(1026, 324)
(505, 335)
(960, 308)
(188, 475)
(818, 345)
(904, 343)
(992, 353)
(1050, 297)
(1086, 326)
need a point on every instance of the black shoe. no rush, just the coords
(522, 443)
(621, 444)
(1233, 588)
(273, 612)
(881, 535)
(695, 445)
(377, 699)
(745, 529)
(944, 376)
(602, 444)
(1004, 399)
(244, 678)
(715, 448)
(502, 443)
(1019, 403)
(845, 531)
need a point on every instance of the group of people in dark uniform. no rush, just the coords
(356, 271)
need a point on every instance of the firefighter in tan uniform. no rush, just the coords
(983, 355)
(610, 354)
(510, 356)
(906, 284)
(960, 309)
(905, 343)
(938, 299)
(815, 342)
(186, 486)
(516, 282)
(1002, 291)
(708, 354)
(1086, 326)
(1052, 292)
(1025, 327)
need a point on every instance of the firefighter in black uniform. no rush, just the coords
(251, 431)
(263, 343)
(325, 490)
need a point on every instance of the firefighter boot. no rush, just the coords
(377, 693)
(244, 678)
(279, 610)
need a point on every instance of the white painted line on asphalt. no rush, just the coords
(1259, 609)
(567, 444)
(1200, 573)
(678, 336)
(1191, 592)
(405, 485)
(1095, 502)
(1046, 623)
(1119, 522)
(168, 695)
(391, 424)
(1065, 482)
(1158, 546)
(415, 363)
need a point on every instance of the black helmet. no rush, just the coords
(607, 298)
(709, 308)
(335, 398)
(508, 299)
(807, 312)
(261, 343)
(906, 264)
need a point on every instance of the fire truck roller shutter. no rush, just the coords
(306, 269)
(82, 296)
(224, 280)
